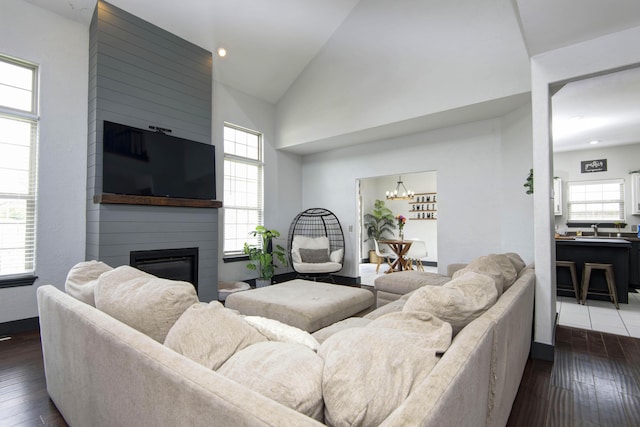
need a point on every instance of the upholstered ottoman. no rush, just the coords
(302, 303)
(390, 287)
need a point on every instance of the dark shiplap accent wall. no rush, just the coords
(141, 75)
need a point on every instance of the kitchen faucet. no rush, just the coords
(595, 230)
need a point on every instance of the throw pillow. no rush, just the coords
(210, 334)
(337, 255)
(457, 302)
(290, 374)
(82, 279)
(143, 301)
(314, 256)
(370, 371)
(278, 331)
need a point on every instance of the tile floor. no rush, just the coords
(599, 316)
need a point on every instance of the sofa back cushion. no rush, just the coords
(82, 279)
(366, 377)
(143, 301)
(457, 302)
(290, 374)
(497, 267)
(210, 334)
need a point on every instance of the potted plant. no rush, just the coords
(378, 224)
(262, 257)
(619, 225)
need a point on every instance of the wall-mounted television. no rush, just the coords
(142, 162)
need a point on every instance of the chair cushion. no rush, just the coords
(143, 301)
(307, 242)
(210, 334)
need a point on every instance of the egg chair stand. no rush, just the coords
(316, 244)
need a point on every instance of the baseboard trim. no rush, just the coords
(18, 326)
(542, 351)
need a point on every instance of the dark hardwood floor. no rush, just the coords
(23, 394)
(594, 381)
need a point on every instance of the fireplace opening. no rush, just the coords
(173, 264)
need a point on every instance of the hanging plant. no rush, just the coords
(529, 182)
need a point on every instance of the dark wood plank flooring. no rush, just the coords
(594, 381)
(23, 394)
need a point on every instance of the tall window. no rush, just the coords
(596, 200)
(18, 169)
(243, 187)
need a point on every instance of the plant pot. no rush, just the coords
(373, 257)
(261, 283)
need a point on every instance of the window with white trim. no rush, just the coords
(18, 169)
(593, 201)
(243, 187)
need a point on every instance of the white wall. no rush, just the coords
(61, 48)
(620, 161)
(368, 76)
(604, 53)
(515, 205)
(283, 187)
(471, 167)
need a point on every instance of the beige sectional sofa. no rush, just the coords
(100, 371)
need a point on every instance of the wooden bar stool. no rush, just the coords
(574, 277)
(609, 276)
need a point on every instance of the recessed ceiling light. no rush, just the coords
(594, 142)
(576, 118)
(222, 52)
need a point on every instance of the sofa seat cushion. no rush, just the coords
(210, 334)
(361, 386)
(290, 374)
(145, 302)
(82, 279)
(458, 302)
(352, 322)
(403, 282)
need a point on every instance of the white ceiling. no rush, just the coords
(271, 42)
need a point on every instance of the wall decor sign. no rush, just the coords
(588, 166)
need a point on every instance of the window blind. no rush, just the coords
(596, 200)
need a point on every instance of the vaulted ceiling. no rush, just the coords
(270, 43)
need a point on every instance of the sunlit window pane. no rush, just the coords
(243, 188)
(18, 168)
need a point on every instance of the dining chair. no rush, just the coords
(383, 255)
(416, 253)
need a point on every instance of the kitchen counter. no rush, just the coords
(615, 251)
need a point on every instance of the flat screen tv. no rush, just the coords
(142, 162)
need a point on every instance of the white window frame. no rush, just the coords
(587, 201)
(242, 218)
(19, 266)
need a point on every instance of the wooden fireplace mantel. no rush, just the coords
(122, 199)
